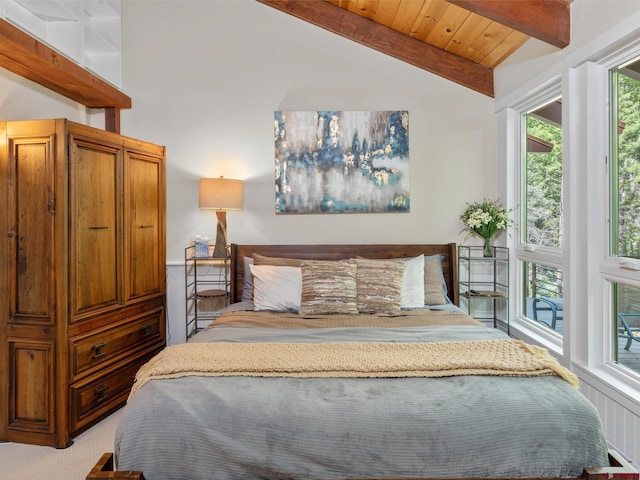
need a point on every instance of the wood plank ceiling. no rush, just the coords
(460, 40)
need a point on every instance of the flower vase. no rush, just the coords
(487, 248)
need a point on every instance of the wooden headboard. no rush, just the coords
(339, 252)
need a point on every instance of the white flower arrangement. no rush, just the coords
(485, 219)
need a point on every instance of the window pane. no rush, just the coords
(543, 295)
(625, 194)
(543, 177)
(626, 344)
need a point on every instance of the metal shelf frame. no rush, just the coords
(483, 282)
(207, 285)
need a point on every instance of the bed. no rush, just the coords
(353, 361)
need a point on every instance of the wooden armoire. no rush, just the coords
(82, 274)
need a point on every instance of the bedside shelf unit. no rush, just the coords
(483, 285)
(207, 285)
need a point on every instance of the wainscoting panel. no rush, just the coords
(621, 424)
(176, 304)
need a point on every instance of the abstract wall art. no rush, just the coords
(341, 161)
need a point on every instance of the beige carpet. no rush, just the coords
(32, 462)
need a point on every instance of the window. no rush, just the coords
(543, 176)
(624, 208)
(625, 175)
(541, 222)
(543, 294)
(626, 322)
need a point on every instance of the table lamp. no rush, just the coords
(221, 194)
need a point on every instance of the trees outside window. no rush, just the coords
(624, 207)
(625, 136)
(543, 182)
(541, 222)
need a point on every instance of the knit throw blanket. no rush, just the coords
(352, 359)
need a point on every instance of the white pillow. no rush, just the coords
(276, 288)
(412, 295)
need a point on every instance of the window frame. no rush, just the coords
(593, 269)
(612, 268)
(528, 328)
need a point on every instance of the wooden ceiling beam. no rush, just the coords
(388, 41)
(546, 20)
(23, 55)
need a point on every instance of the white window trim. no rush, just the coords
(586, 204)
(523, 327)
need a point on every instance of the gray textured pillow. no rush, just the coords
(412, 295)
(434, 286)
(328, 287)
(247, 285)
(379, 286)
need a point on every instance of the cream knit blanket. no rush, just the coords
(352, 359)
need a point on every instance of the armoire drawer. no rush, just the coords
(112, 344)
(92, 398)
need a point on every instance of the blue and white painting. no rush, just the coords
(341, 161)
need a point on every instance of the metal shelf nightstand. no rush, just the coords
(207, 289)
(483, 285)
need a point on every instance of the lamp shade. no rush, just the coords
(221, 193)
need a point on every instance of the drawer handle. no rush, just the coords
(98, 227)
(97, 349)
(146, 330)
(146, 226)
(101, 393)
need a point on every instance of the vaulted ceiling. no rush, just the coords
(460, 40)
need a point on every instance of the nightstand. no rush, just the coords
(483, 285)
(207, 283)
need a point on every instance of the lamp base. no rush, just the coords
(220, 248)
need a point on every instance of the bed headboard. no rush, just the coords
(339, 252)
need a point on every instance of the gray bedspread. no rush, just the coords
(454, 427)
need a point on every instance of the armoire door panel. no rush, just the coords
(96, 227)
(31, 386)
(144, 223)
(31, 208)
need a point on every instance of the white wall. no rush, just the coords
(21, 99)
(206, 77)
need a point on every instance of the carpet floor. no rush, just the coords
(31, 462)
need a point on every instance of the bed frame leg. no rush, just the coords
(620, 469)
(104, 470)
